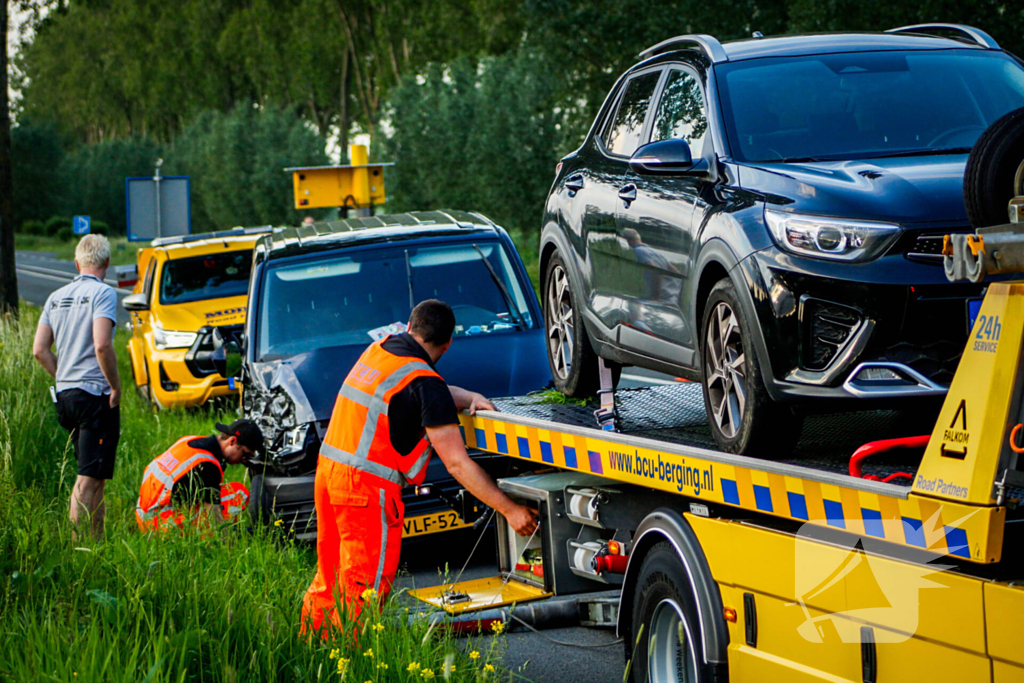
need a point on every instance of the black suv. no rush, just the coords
(766, 216)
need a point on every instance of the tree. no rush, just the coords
(8, 276)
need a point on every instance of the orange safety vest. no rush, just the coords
(154, 506)
(359, 431)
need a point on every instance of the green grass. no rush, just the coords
(122, 252)
(174, 607)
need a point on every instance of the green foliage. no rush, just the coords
(99, 228)
(236, 163)
(94, 177)
(465, 139)
(122, 252)
(34, 228)
(65, 234)
(54, 224)
(36, 156)
(163, 608)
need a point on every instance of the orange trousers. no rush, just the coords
(358, 541)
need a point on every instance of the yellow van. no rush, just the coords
(190, 299)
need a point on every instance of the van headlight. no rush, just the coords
(169, 339)
(830, 238)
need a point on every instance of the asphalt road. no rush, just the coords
(531, 656)
(39, 274)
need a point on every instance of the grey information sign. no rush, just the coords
(151, 215)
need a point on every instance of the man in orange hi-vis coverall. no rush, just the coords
(391, 403)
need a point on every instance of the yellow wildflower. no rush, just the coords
(383, 665)
(342, 666)
(413, 667)
(498, 626)
(378, 627)
(335, 653)
(369, 653)
(427, 673)
(279, 522)
(475, 654)
(488, 668)
(369, 594)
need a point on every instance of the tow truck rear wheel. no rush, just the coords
(743, 417)
(574, 365)
(670, 646)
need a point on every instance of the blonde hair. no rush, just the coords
(93, 251)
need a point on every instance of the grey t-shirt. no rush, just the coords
(69, 312)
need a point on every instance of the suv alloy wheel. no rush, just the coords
(574, 365)
(742, 416)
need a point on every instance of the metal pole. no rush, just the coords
(156, 181)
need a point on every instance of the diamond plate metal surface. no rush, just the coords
(675, 414)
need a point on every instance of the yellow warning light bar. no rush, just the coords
(359, 185)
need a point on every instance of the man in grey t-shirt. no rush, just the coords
(79, 319)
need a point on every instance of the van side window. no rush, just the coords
(623, 134)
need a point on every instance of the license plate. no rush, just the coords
(432, 524)
(973, 309)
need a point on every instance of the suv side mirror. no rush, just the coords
(136, 302)
(667, 156)
(228, 359)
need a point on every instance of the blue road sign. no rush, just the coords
(81, 225)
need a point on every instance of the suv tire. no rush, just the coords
(574, 365)
(743, 417)
(995, 171)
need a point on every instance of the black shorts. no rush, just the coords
(95, 430)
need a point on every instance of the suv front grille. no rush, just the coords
(927, 248)
(828, 326)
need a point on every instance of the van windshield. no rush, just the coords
(351, 299)
(213, 276)
(863, 105)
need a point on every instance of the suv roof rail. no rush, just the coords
(234, 232)
(976, 35)
(709, 44)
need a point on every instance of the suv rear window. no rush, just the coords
(213, 276)
(862, 105)
(340, 299)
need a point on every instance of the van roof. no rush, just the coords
(328, 235)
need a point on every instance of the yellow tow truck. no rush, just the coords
(901, 559)
(189, 301)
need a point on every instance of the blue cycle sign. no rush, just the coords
(81, 225)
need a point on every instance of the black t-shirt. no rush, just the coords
(426, 402)
(202, 483)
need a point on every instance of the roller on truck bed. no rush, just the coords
(872, 553)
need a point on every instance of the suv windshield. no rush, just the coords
(213, 276)
(861, 105)
(347, 299)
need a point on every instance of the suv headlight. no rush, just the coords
(169, 339)
(830, 238)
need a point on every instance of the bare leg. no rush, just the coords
(87, 505)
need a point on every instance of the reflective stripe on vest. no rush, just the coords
(376, 402)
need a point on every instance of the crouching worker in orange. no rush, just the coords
(186, 482)
(392, 411)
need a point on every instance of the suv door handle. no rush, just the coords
(627, 193)
(574, 183)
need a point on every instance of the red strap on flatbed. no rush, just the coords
(869, 449)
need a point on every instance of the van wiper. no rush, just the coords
(509, 304)
(408, 277)
(926, 152)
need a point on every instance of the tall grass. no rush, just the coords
(190, 606)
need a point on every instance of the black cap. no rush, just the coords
(246, 431)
